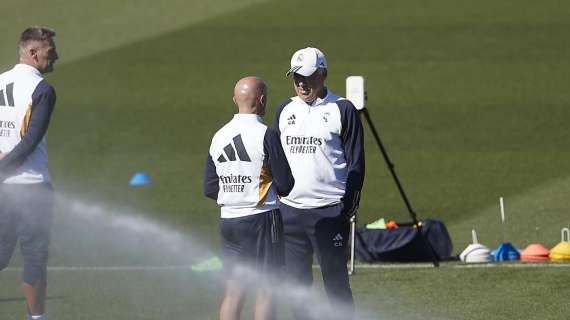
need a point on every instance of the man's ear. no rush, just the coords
(32, 53)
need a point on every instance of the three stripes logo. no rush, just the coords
(8, 100)
(231, 153)
(291, 120)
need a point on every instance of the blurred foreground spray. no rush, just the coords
(91, 235)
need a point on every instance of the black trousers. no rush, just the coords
(325, 232)
(254, 242)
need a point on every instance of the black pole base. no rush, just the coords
(391, 167)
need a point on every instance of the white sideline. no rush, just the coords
(463, 266)
(111, 268)
(358, 266)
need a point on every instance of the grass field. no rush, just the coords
(471, 100)
(382, 294)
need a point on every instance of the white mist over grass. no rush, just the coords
(286, 294)
(94, 236)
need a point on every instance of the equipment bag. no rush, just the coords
(403, 244)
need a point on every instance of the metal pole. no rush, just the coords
(391, 166)
(352, 269)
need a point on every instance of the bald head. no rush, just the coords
(250, 95)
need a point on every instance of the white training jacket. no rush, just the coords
(246, 168)
(323, 143)
(26, 104)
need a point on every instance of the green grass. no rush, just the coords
(87, 27)
(499, 293)
(470, 99)
(469, 111)
(390, 294)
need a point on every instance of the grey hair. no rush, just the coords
(35, 33)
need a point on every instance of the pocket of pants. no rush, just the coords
(276, 226)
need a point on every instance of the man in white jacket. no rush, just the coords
(26, 195)
(322, 138)
(246, 172)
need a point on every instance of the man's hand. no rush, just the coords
(350, 203)
(2, 155)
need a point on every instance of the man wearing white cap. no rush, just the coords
(322, 137)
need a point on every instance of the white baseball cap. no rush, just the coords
(306, 61)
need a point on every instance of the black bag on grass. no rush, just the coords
(403, 244)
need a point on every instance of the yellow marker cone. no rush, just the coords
(561, 252)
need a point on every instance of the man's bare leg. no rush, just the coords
(35, 296)
(264, 306)
(233, 301)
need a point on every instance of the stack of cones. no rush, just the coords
(561, 252)
(535, 252)
(505, 251)
(475, 252)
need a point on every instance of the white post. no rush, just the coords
(502, 219)
(352, 269)
(356, 93)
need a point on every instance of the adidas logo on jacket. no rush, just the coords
(249, 170)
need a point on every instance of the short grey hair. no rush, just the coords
(35, 33)
(323, 71)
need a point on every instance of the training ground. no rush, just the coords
(470, 97)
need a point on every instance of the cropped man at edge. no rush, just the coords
(246, 171)
(26, 196)
(322, 137)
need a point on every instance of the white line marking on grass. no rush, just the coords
(112, 268)
(463, 266)
(359, 266)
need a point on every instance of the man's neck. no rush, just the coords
(321, 95)
(25, 62)
(30, 67)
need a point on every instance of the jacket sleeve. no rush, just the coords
(353, 144)
(278, 115)
(277, 163)
(43, 103)
(211, 180)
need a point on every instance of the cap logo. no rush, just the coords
(300, 58)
